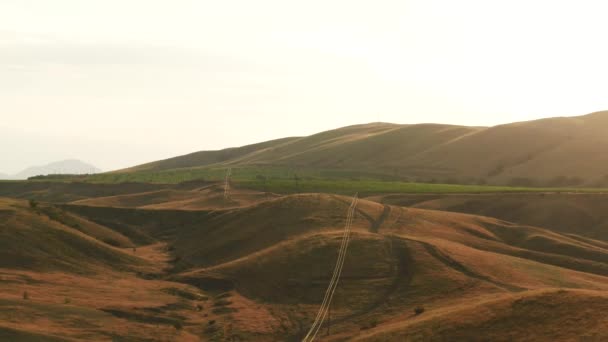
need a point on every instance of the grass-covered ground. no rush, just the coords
(291, 180)
(238, 174)
(372, 187)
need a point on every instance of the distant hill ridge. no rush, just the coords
(68, 166)
(562, 151)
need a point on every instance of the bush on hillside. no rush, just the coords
(33, 204)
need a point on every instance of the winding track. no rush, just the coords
(331, 289)
(402, 268)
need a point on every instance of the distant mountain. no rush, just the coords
(563, 151)
(69, 166)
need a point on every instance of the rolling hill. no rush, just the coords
(146, 260)
(68, 166)
(264, 266)
(567, 213)
(566, 151)
(46, 239)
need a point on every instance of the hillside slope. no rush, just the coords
(206, 197)
(585, 215)
(398, 258)
(40, 239)
(564, 151)
(259, 271)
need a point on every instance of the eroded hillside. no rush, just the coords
(258, 269)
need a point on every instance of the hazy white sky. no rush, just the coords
(121, 82)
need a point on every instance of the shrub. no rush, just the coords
(67, 301)
(26, 295)
(419, 310)
(33, 204)
(178, 326)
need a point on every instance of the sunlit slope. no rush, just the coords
(549, 152)
(584, 215)
(398, 259)
(45, 239)
(70, 191)
(201, 198)
(279, 253)
(538, 150)
(214, 237)
(364, 147)
(545, 315)
(204, 158)
(303, 219)
(360, 146)
(65, 278)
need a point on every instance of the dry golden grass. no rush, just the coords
(545, 152)
(451, 260)
(208, 197)
(580, 214)
(259, 271)
(543, 315)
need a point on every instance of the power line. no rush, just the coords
(333, 284)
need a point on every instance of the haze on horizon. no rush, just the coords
(118, 83)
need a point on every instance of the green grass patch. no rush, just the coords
(365, 187)
(298, 180)
(238, 174)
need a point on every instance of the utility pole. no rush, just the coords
(227, 184)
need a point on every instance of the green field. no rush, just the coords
(367, 187)
(215, 174)
(286, 180)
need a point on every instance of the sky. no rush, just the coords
(122, 82)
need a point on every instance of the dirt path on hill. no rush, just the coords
(402, 273)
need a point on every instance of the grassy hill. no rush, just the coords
(399, 258)
(567, 213)
(279, 253)
(157, 252)
(257, 270)
(63, 191)
(46, 239)
(507, 318)
(206, 197)
(550, 152)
